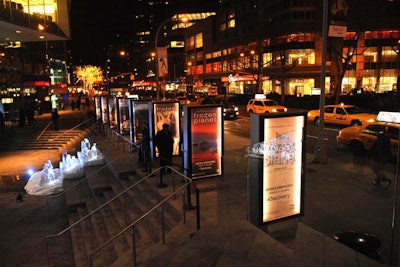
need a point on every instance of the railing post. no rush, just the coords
(133, 246)
(162, 224)
(90, 259)
(198, 208)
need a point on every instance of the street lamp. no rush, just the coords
(157, 73)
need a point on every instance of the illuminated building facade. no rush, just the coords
(255, 46)
(32, 47)
(148, 16)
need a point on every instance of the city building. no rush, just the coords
(255, 46)
(32, 50)
(164, 16)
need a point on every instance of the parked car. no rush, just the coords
(361, 138)
(342, 114)
(230, 110)
(264, 105)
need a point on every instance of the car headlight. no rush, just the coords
(285, 109)
(236, 109)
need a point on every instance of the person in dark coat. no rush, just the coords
(55, 117)
(380, 155)
(165, 144)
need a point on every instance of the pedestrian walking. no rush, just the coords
(165, 144)
(55, 117)
(380, 155)
(73, 105)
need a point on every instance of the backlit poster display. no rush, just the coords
(104, 109)
(123, 115)
(97, 107)
(112, 109)
(206, 142)
(139, 112)
(203, 141)
(282, 167)
(168, 112)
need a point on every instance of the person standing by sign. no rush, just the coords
(165, 143)
(380, 155)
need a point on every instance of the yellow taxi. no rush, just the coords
(342, 114)
(361, 138)
(260, 104)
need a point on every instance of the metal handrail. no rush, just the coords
(189, 181)
(115, 197)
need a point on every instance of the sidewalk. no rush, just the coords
(338, 196)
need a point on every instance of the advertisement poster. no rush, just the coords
(112, 108)
(168, 112)
(282, 163)
(97, 107)
(206, 142)
(104, 115)
(140, 119)
(123, 105)
(162, 61)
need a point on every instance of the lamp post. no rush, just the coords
(157, 73)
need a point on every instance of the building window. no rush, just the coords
(198, 42)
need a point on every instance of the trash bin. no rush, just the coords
(365, 243)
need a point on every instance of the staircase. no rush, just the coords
(102, 207)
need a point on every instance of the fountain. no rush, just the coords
(45, 182)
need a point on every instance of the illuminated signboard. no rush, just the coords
(387, 116)
(276, 166)
(123, 116)
(139, 112)
(282, 163)
(97, 107)
(168, 112)
(203, 141)
(104, 109)
(112, 109)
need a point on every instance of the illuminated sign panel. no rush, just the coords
(112, 109)
(206, 142)
(282, 165)
(140, 119)
(168, 112)
(123, 116)
(104, 109)
(97, 107)
(203, 141)
(388, 116)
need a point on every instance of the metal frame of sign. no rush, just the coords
(203, 141)
(165, 112)
(276, 166)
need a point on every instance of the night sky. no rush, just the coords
(94, 25)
